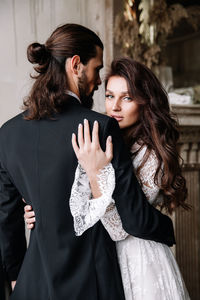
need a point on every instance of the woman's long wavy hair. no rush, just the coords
(156, 128)
(48, 93)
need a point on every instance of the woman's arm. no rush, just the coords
(94, 181)
(90, 155)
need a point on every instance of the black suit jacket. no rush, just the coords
(2, 280)
(38, 163)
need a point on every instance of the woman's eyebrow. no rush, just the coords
(123, 93)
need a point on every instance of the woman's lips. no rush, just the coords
(118, 118)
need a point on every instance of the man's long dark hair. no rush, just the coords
(48, 93)
(156, 128)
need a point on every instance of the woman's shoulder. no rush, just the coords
(138, 152)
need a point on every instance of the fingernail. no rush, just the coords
(95, 122)
(29, 207)
(80, 125)
(85, 120)
(110, 138)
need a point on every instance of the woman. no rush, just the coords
(136, 99)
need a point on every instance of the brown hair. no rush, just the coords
(156, 128)
(48, 92)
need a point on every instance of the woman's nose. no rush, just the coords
(116, 106)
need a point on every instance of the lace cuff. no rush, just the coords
(113, 224)
(86, 211)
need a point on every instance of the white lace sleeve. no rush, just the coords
(113, 224)
(85, 210)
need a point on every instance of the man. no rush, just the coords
(38, 163)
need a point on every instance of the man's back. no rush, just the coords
(41, 164)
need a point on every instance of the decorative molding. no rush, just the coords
(188, 115)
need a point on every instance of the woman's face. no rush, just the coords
(119, 104)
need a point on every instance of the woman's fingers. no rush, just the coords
(87, 138)
(27, 208)
(30, 226)
(80, 136)
(95, 134)
(74, 145)
(109, 148)
(29, 215)
(30, 220)
(84, 144)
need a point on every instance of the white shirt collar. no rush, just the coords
(70, 93)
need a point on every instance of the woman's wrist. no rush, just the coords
(93, 174)
(93, 179)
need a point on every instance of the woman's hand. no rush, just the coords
(89, 153)
(29, 216)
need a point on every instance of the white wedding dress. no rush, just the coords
(149, 270)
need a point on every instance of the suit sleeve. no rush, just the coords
(139, 218)
(12, 229)
(2, 280)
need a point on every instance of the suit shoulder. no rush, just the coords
(12, 122)
(93, 114)
(99, 116)
(82, 113)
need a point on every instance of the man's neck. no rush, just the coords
(73, 87)
(73, 95)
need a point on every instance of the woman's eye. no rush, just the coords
(109, 96)
(127, 98)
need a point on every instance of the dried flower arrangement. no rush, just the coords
(142, 30)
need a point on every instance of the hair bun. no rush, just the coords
(37, 53)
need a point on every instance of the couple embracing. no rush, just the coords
(99, 233)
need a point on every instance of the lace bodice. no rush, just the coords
(87, 211)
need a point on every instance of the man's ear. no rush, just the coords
(76, 65)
